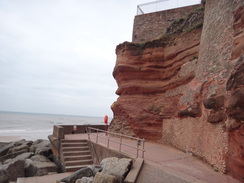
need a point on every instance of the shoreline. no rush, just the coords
(17, 137)
(10, 138)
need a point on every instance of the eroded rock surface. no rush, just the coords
(186, 89)
(144, 74)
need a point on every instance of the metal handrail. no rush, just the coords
(140, 142)
(161, 5)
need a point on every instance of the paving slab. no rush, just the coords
(43, 179)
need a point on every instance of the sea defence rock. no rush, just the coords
(111, 170)
(11, 171)
(85, 180)
(43, 148)
(22, 156)
(39, 165)
(185, 89)
(6, 148)
(24, 159)
(116, 167)
(84, 172)
(105, 178)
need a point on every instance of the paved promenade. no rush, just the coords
(163, 161)
(162, 164)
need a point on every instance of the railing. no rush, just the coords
(138, 141)
(162, 5)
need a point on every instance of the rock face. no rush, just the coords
(186, 88)
(145, 74)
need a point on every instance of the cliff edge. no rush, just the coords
(185, 88)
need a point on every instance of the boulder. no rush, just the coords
(84, 172)
(20, 142)
(18, 148)
(105, 178)
(39, 165)
(116, 167)
(22, 156)
(95, 169)
(43, 148)
(12, 155)
(37, 141)
(2, 144)
(11, 171)
(6, 148)
(85, 180)
(29, 143)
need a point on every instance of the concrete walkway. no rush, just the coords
(162, 162)
(44, 179)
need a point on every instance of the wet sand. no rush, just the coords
(27, 136)
(10, 138)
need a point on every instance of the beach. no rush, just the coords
(15, 126)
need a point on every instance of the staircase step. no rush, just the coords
(74, 144)
(76, 153)
(73, 141)
(80, 162)
(80, 157)
(74, 168)
(85, 148)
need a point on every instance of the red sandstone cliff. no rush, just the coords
(144, 74)
(186, 89)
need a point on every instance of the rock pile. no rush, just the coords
(111, 170)
(25, 159)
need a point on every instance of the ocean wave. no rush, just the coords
(24, 131)
(13, 130)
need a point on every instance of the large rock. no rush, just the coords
(43, 148)
(6, 148)
(95, 168)
(12, 155)
(22, 156)
(84, 172)
(116, 167)
(19, 148)
(11, 171)
(85, 180)
(105, 178)
(39, 165)
(20, 142)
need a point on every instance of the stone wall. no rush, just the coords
(217, 134)
(152, 25)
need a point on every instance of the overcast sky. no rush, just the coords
(57, 56)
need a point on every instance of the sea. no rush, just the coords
(32, 126)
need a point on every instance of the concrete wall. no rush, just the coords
(100, 152)
(68, 129)
(152, 25)
(59, 132)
